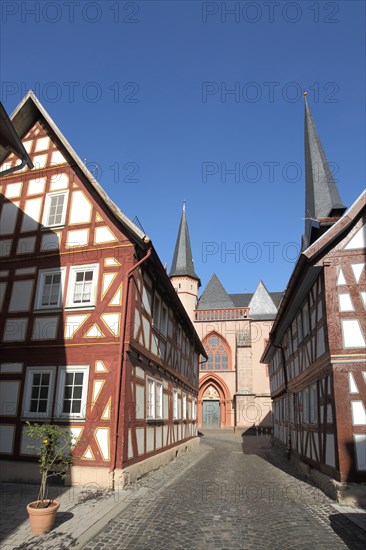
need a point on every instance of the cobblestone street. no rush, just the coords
(230, 493)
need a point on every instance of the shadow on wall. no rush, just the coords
(33, 356)
(264, 427)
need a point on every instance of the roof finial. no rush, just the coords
(184, 205)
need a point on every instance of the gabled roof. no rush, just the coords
(322, 199)
(261, 305)
(183, 261)
(25, 115)
(241, 300)
(307, 269)
(215, 296)
(10, 142)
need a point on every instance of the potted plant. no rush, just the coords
(54, 446)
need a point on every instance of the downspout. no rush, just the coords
(288, 445)
(121, 372)
(15, 168)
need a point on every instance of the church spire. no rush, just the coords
(322, 197)
(182, 261)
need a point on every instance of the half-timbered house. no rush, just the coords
(316, 351)
(233, 384)
(93, 335)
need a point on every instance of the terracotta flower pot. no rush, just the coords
(42, 519)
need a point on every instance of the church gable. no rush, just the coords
(261, 305)
(215, 296)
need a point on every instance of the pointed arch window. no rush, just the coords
(218, 353)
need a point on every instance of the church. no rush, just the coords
(233, 384)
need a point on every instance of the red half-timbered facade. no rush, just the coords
(93, 335)
(317, 346)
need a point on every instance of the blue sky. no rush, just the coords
(142, 91)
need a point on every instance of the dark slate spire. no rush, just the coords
(215, 296)
(182, 261)
(322, 196)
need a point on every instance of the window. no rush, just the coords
(194, 409)
(159, 400)
(157, 309)
(160, 315)
(39, 384)
(313, 405)
(83, 286)
(175, 405)
(49, 291)
(154, 399)
(72, 391)
(218, 353)
(55, 209)
(184, 406)
(150, 398)
(164, 320)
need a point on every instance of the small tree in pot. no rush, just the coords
(54, 450)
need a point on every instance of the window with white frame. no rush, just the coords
(184, 406)
(82, 286)
(72, 391)
(150, 405)
(39, 384)
(158, 400)
(154, 399)
(55, 209)
(175, 405)
(49, 290)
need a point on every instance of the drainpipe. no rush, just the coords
(15, 168)
(288, 445)
(121, 372)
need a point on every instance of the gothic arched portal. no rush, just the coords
(214, 402)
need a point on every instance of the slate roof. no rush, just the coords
(241, 300)
(215, 297)
(322, 196)
(182, 260)
(261, 305)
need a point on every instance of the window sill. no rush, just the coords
(35, 418)
(47, 310)
(68, 419)
(159, 333)
(175, 421)
(78, 308)
(155, 421)
(52, 227)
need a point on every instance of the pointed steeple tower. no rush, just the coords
(182, 274)
(323, 204)
(182, 260)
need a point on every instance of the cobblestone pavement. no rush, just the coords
(231, 496)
